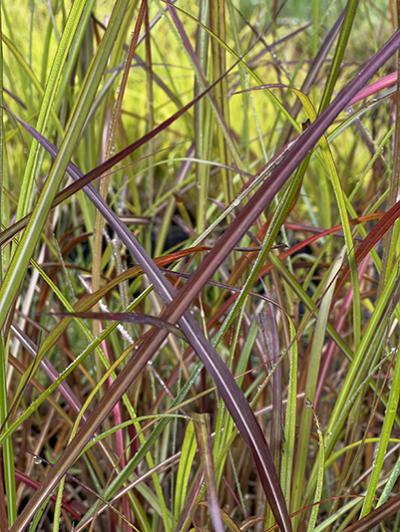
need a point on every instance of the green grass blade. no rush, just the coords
(47, 106)
(311, 384)
(390, 415)
(185, 465)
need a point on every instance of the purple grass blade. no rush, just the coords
(15, 98)
(65, 390)
(124, 317)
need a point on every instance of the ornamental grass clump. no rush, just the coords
(200, 264)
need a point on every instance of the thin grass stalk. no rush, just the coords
(185, 465)
(243, 77)
(47, 105)
(172, 204)
(202, 121)
(320, 478)
(7, 445)
(390, 483)
(149, 104)
(65, 90)
(7, 454)
(288, 447)
(344, 218)
(316, 23)
(218, 54)
(390, 415)
(4, 205)
(3, 183)
(310, 388)
(30, 30)
(202, 426)
(104, 188)
(39, 516)
(46, 51)
(269, 328)
(87, 149)
(3, 508)
(333, 75)
(344, 35)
